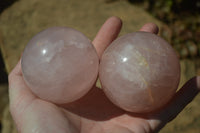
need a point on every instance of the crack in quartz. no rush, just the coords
(148, 89)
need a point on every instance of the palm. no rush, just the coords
(93, 113)
(98, 115)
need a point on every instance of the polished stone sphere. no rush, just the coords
(60, 65)
(139, 72)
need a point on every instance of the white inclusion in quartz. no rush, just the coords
(73, 42)
(78, 45)
(58, 47)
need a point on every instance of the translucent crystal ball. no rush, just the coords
(139, 72)
(60, 65)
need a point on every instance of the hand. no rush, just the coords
(93, 113)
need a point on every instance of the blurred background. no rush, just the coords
(178, 20)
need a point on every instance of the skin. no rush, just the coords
(93, 113)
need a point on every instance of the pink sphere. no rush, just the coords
(139, 72)
(60, 65)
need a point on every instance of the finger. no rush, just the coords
(107, 33)
(19, 94)
(182, 98)
(150, 27)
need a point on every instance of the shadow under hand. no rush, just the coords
(95, 105)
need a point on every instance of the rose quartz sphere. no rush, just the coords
(60, 65)
(139, 72)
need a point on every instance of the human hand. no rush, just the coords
(93, 113)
